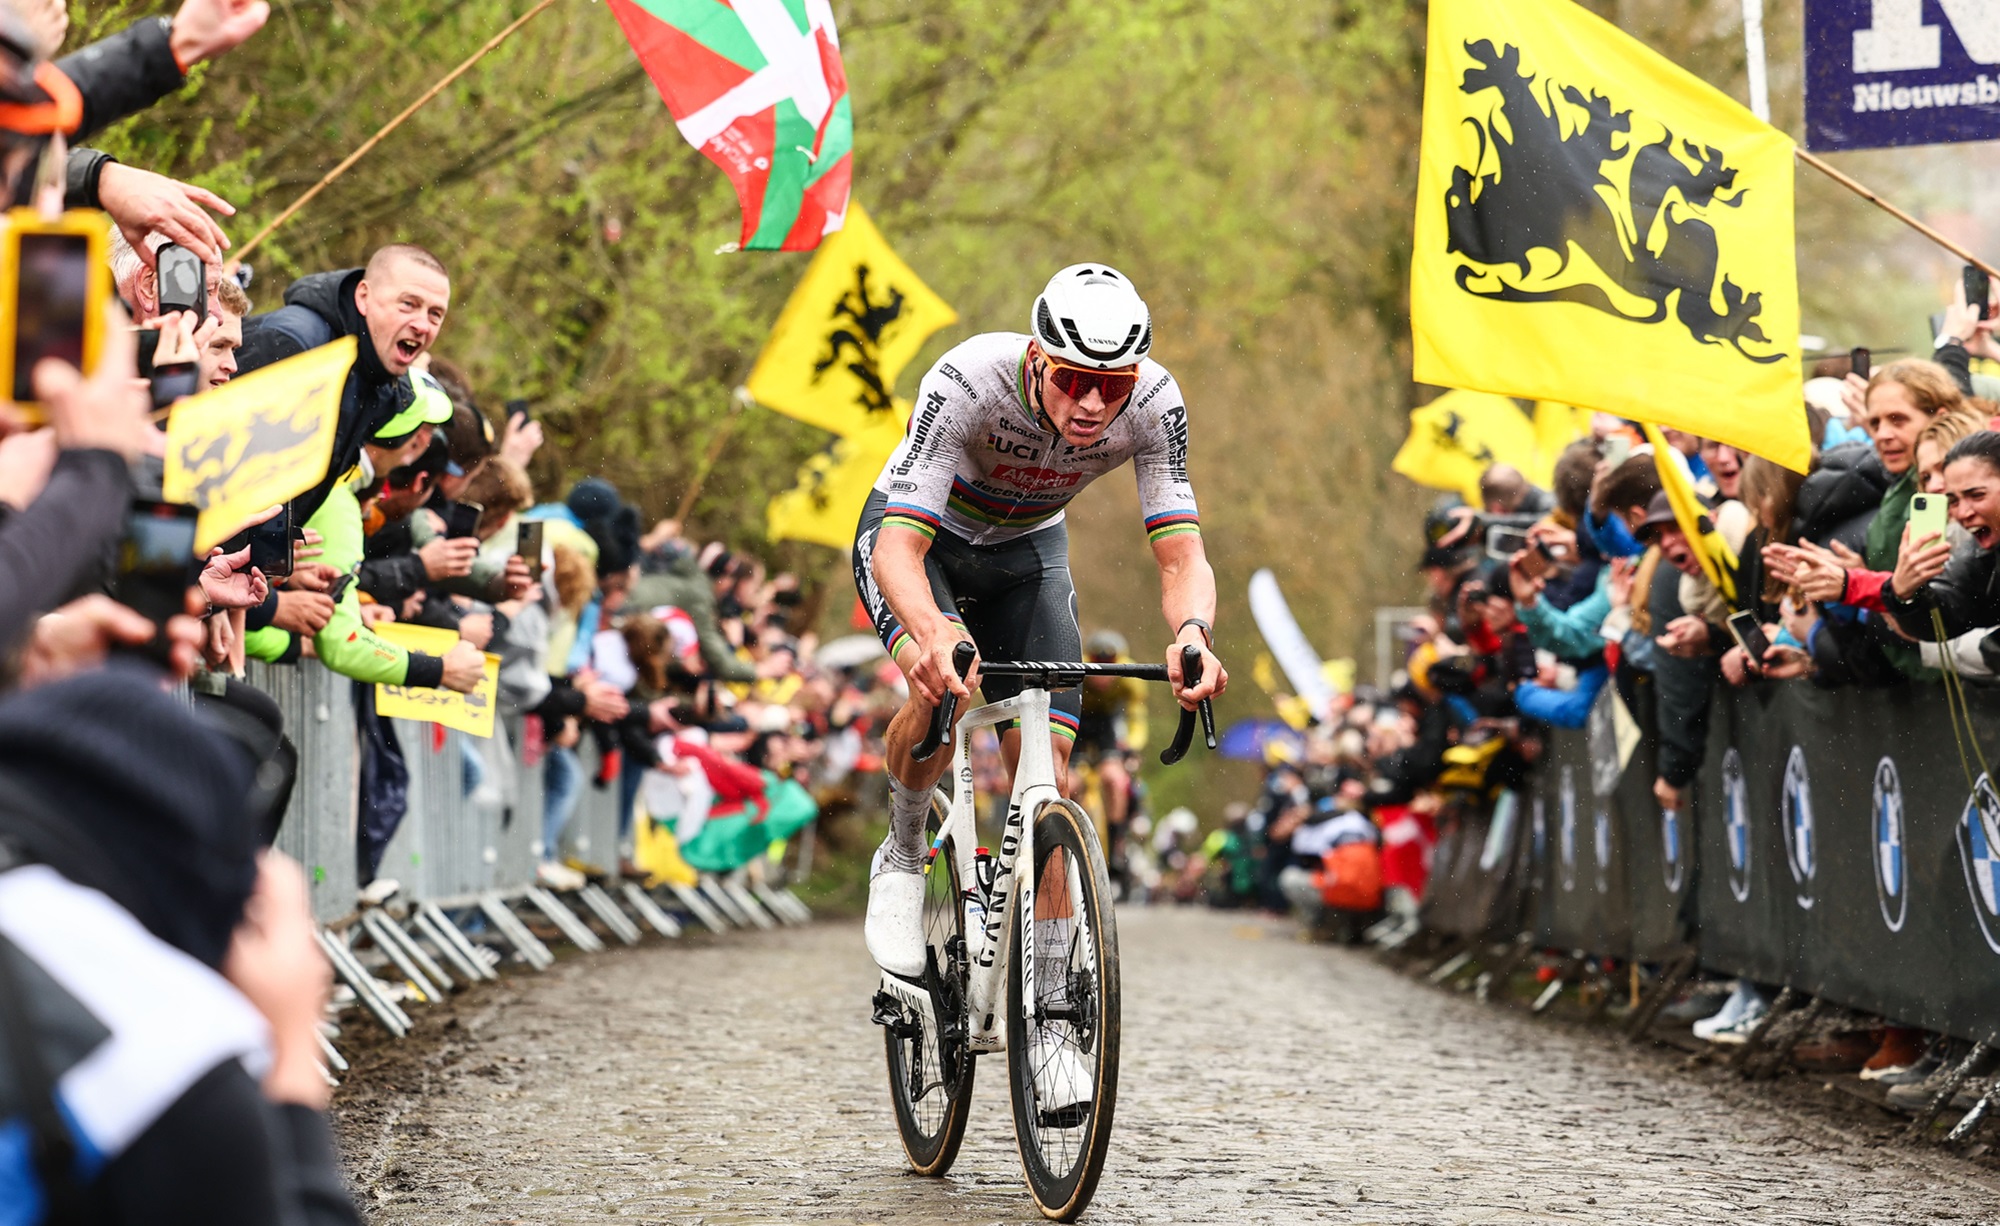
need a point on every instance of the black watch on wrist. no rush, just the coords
(1207, 631)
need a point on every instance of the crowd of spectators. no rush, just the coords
(1540, 599)
(145, 922)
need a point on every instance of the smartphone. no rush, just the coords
(1617, 450)
(271, 545)
(1749, 636)
(55, 280)
(182, 281)
(528, 547)
(340, 587)
(1538, 560)
(1927, 516)
(1862, 362)
(520, 409)
(1979, 291)
(156, 567)
(1503, 542)
(462, 518)
(169, 383)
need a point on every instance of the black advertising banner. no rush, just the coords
(1580, 842)
(1657, 847)
(1479, 873)
(1901, 72)
(1855, 861)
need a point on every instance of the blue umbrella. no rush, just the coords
(1245, 739)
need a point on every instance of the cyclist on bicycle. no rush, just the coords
(1112, 727)
(963, 538)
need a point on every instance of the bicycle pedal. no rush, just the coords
(894, 1014)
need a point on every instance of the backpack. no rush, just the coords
(1350, 877)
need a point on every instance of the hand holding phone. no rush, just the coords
(271, 546)
(1861, 362)
(1749, 636)
(182, 282)
(1927, 517)
(461, 519)
(1502, 542)
(1978, 292)
(156, 567)
(528, 547)
(55, 289)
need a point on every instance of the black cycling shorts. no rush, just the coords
(1016, 600)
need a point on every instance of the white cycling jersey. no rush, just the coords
(979, 463)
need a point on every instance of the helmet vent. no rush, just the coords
(1045, 323)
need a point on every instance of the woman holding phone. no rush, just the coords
(1964, 590)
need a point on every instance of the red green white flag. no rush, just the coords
(758, 87)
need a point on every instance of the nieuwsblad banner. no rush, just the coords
(1901, 72)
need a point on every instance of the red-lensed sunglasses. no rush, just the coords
(1076, 382)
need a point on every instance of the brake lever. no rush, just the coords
(946, 712)
(1184, 735)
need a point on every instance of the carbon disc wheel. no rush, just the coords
(1074, 1034)
(930, 1073)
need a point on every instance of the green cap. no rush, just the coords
(431, 407)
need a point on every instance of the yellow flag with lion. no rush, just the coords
(1599, 227)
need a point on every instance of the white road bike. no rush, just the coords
(1051, 926)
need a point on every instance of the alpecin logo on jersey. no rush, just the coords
(1566, 830)
(1673, 856)
(1801, 839)
(1736, 825)
(1979, 852)
(1028, 477)
(1176, 422)
(1892, 871)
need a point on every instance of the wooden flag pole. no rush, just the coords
(389, 127)
(737, 403)
(1868, 195)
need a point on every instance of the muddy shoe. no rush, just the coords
(1834, 1053)
(1901, 1048)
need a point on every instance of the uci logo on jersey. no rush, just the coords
(1736, 825)
(1979, 852)
(1892, 873)
(1566, 830)
(1801, 840)
(1673, 865)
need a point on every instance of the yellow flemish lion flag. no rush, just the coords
(1458, 436)
(833, 485)
(1599, 227)
(255, 441)
(856, 319)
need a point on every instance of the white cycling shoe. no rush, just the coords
(1062, 1074)
(895, 925)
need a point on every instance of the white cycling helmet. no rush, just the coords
(1091, 316)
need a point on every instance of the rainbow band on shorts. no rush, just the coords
(1171, 523)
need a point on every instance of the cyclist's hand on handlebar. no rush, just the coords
(1214, 678)
(934, 677)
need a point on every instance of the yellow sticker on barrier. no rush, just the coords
(255, 441)
(469, 713)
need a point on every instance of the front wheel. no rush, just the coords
(930, 1074)
(1062, 1056)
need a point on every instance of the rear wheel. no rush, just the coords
(930, 1073)
(1076, 981)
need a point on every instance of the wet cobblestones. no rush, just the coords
(739, 1081)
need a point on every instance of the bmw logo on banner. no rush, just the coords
(1601, 844)
(1566, 830)
(1673, 863)
(1801, 844)
(1736, 824)
(1539, 832)
(1979, 849)
(1892, 874)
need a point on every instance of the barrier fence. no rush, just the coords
(464, 857)
(1831, 845)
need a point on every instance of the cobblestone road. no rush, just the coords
(739, 1081)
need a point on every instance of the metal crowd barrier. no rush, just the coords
(464, 858)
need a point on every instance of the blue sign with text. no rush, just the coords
(1901, 72)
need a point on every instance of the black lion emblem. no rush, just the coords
(1562, 194)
